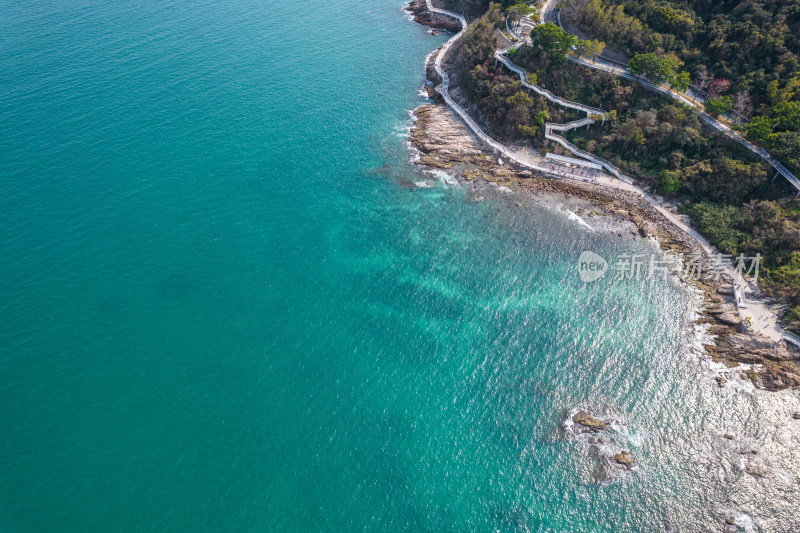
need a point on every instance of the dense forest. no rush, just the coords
(509, 110)
(744, 53)
(726, 190)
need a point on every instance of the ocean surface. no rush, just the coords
(230, 303)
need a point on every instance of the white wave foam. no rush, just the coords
(618, 436)
(412, 150)
(740, 519)
(445, 177)
(573, 216)
(407, 10)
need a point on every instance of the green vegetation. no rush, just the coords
(552, 39)
(718, 106)
(473, 8)
(766, 227)
(658, 69)
(746, 55)
(748, 47)
(725, 188)
(503, 102)
(517, 11)
(778, 130)
(589, 48)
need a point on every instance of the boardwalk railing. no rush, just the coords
(522, 160)
(444, 87)
(582, 153)
(622, 71)
(500, 55)
(791, 337)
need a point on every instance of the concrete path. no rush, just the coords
(548, 14)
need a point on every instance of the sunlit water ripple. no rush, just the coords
(230, 305)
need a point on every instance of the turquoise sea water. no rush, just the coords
(224, 308)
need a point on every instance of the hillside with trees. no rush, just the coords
(745, 54)
(723, 187)
(507, 108)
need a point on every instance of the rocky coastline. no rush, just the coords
(435, 21)
(445, 143)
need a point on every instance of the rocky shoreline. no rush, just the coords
(445, 143)
(419, 11)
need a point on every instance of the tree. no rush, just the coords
(681, 81)
(742, 104)
(788, 115)
(718, 86)
(658, 69)
(552, 39)
(518, 11)
(718, 106)
(531, 78)
(591, 48)
(669, 181)
(541, 117)
(703, 77)
(760, 128)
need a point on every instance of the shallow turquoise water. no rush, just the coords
(224, 311)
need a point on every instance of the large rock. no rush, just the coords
(625, 458)
(728, 317)
(585, 419)
(757, 469)
(419, 9)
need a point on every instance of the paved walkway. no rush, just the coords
(547, 13)
(764, 321)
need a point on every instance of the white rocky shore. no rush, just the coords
(445, 143)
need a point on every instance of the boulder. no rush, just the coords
(585, 419)
(757, 470)
(728, 317)
(624, 458)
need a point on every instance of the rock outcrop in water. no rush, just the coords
(624, 458)
(585, 419)
(778, 364)
(444, 143)
(605, 439)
